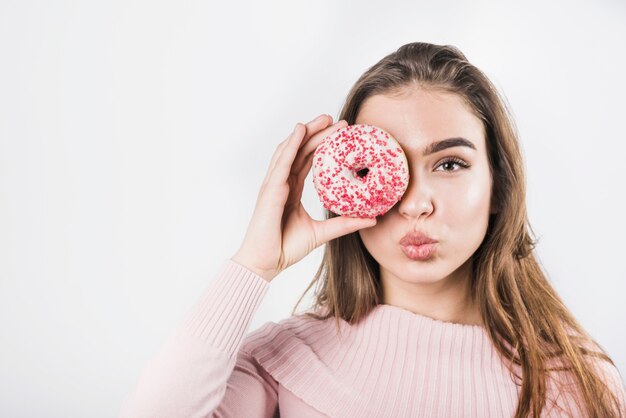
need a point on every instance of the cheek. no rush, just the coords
(470, 200)
(376, 237)
(367, 236)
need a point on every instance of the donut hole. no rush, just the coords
(361, 173)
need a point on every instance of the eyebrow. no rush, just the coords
(447, 143)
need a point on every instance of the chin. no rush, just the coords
(411, 270)
(420, 277)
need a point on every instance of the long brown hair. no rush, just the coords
(526, 320)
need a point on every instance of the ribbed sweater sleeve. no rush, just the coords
(188, 375)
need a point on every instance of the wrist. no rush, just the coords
(267, 275)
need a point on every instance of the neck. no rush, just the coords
(447, 300)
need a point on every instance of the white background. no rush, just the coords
(134, 136)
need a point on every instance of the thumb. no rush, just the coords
(341, 225)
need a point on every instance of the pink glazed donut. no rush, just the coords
(360, 171)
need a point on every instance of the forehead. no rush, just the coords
(418, 117)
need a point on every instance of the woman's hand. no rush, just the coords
(281, 232)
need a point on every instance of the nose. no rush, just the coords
(417, 200)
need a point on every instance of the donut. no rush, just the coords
(360, 171)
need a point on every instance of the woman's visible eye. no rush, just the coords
(454, 161)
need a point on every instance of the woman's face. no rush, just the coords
(444, 200)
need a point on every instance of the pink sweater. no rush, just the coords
(394, 363)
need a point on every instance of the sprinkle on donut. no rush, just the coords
(360, 171)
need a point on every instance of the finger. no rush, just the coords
(304, 170)
(305, 154)
(304, 161)
(330, 229)
(267, 200)
(300, 174)
(314, 126)
(318, 123)
(284, 161)
(277, 153)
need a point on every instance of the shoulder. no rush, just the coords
(292, 345)
(612, 377)
(566, 394)
(295, 330)
(607, 371)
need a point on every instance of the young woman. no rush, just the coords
(471, 329)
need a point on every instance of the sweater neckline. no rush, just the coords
(400, 312)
